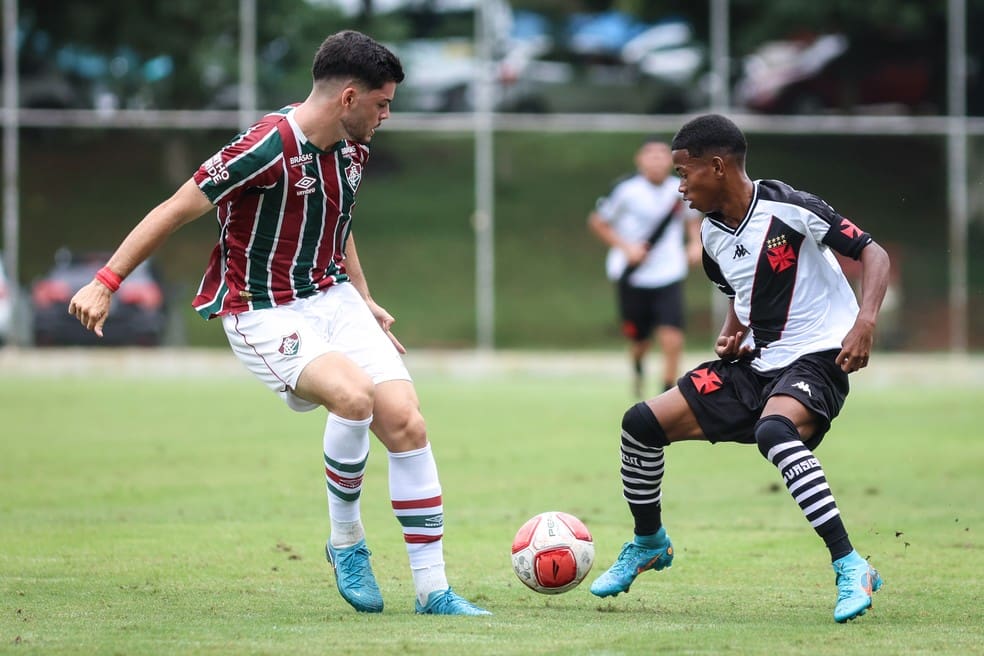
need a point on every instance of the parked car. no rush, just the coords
(828, 73)
(613, 63)
(6, 306)
(137, 315)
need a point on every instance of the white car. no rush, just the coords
(6, 303)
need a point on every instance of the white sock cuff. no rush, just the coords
(411, 454)
(352, 423)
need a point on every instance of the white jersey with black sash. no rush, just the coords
(778, 267)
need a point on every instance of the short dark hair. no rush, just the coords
(353, 54)
(711, 133)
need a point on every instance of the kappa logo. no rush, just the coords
(740, 251)
(305, 185)
(805, 387)
(290, 345)
(354, 175)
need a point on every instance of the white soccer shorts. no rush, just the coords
(277, 343)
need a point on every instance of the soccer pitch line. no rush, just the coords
(886, 370)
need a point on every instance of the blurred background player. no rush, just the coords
(286, 283)
(652, 238)
(792, 334)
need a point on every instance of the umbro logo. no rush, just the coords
(803, 386)
(305, 185)
(740, 251)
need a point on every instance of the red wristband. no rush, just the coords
(110, 278)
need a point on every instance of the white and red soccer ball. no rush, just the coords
(552, 552)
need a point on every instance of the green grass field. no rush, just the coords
(186, 515)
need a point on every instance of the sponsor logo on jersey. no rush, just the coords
(705, 380)
(354, 175)
(216, 169)
(302, 159)
(740, 251)
(780, 254)
(290, 344)
(803, 386)
(349, 150)
(305, 185)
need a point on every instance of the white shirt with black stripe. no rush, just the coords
(778, 267)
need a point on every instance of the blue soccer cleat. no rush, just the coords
(354, 576)
(632, 561)
(446, 602)
(856, 582)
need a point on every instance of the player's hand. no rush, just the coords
(730, 347)
(386, 321)
(635, 253)
(90, 306)
(856, 347)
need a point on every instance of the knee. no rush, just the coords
(773, 430)
(640, 424)
(404, 430)
(352, 401)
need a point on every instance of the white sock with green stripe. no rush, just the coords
(415, 491)
(346, 446)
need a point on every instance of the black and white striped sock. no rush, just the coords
(642, 479)
(780, 443)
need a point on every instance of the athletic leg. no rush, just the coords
(643, 440)
(779, 435)
(337, 383)
(416, 496)
(671, 342)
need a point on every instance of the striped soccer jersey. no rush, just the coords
(284, 211)
(778, 267)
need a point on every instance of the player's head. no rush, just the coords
(709, 156)
(653, 159)
(353, 55)
(711, 134)
(358, 77)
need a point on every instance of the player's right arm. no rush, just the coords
(728, 344)
(90, 305)
(603, 230)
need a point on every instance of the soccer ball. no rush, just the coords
(552, 552)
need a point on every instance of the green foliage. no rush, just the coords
(186, 514)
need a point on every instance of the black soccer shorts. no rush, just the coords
(727, 397)
(642, 309)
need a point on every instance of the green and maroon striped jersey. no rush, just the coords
(284, 208)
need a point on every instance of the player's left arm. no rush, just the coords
(354, 270)
(856, 346)
(695, 248)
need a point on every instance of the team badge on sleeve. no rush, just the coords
(290, 344)
(849, 230)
